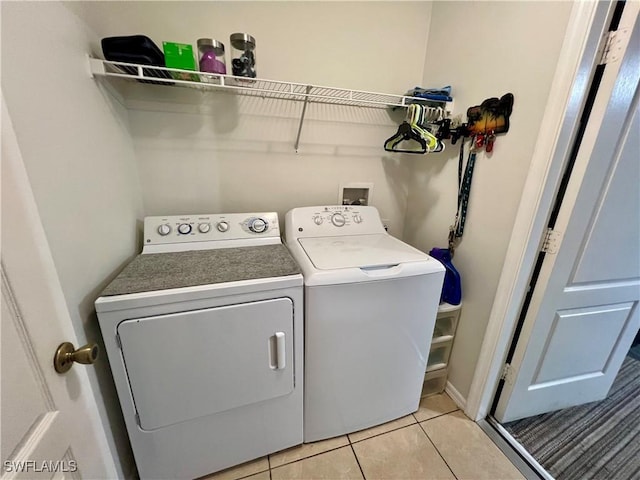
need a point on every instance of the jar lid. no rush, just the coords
(243, 41)
(205, 44)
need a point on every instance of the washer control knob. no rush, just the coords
(357, 218)
(164, 229)
(317, 220)
(184, 228)
(338, 219)
(258, 225)
(204, 227)
(222, 226)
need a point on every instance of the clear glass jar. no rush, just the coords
(211, 56)
(243, 55)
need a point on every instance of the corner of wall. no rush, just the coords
(456, 396)
(524, 65)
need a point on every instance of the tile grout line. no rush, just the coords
(404, 426)
(251, 474)
(310, 456)
(437, 416)
(269, 463)
(357, 461)
(434, 446)
(383, 433)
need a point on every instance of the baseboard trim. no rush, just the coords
(455, 395)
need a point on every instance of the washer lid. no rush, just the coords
(359, 251)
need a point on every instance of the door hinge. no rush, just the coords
(507, 373)
(118, 342)
(551, 241)
(612, 46)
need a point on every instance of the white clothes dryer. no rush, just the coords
(370, 309)
(204, 334)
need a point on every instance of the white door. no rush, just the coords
(50, 425)
(584, 314)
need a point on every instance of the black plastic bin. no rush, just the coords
(137, 49)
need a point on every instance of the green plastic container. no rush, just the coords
(180, 55)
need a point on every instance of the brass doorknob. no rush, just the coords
(66, 354)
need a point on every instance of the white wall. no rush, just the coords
(375, 46)
(187, 165)
(80, 161)
(225, 153)
(483, 49)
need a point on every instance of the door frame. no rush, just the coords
(579, 56)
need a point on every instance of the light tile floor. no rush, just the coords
(436, 442)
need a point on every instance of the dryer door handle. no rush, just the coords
(281, 353)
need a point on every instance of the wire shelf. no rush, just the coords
(250, 86)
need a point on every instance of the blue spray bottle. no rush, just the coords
(452, 288)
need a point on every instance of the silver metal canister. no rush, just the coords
(243, 55)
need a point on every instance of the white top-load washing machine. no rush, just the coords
(204, 334)
(370, 309)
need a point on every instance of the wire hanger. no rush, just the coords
(412, 129)
(405, 133)
(415, 129)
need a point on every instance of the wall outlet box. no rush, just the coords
(355, 194)
(180, 55)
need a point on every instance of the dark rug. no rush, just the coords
(599, 440)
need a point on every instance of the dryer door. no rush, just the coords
(185, 365)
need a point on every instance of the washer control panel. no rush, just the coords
(333, 220)
(184, 229)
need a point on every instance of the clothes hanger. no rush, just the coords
(417, 120)
(405, 133)
(431, 116)
(412, 129)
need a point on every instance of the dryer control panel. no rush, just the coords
(332, 220)
(177, 233)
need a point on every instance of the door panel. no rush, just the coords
(31, 404)
(611, 250)
(565, 359)
(185, 365)
(583, 313)
(50, 424)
